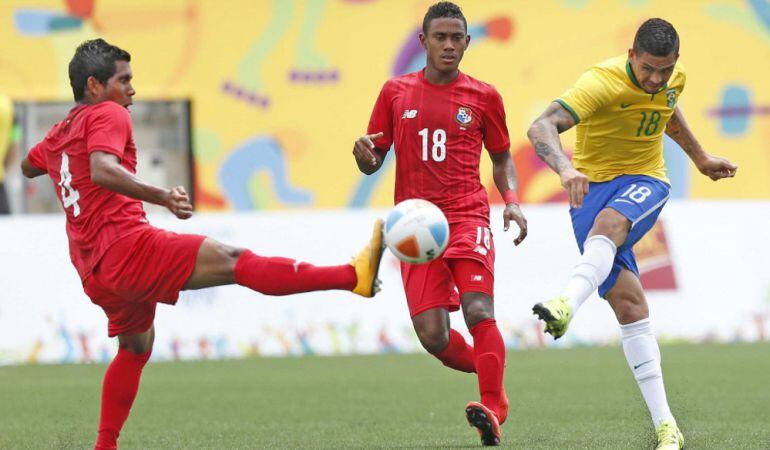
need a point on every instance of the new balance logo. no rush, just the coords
(477, 278)
(481, 250)
(409, 114)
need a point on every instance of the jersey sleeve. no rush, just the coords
(36, 156)
(494, 130)
(382, 118)
(593, 90)
(109, 130)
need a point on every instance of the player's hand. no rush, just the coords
(716, 167)
(576, 185)
(178, 202)
(363, 149)
(513, 212)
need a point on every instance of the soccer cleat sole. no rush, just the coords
(545, 315)
(478, 419)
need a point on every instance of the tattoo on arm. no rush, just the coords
(678, 130)
(544, 135)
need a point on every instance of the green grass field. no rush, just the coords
(578, 398)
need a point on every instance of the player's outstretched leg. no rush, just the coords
(121, 384)
(218, 264)
(284, 276)
(609, 229)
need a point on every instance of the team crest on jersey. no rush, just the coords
(464, 116)
(671, 98)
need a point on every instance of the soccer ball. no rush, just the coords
(416, 231)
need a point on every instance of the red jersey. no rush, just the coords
(437, 132)
(96, 217)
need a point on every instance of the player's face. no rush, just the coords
(445, 43)
(118, 88)
(652, 72)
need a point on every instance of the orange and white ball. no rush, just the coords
(416, 231)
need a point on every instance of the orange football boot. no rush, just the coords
(485, 422)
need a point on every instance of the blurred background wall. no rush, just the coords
(280, 89)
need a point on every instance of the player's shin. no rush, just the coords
(643, 356)
(121, 383)
(284, 276)
(458, 354)
(592, 269)
(489, 351)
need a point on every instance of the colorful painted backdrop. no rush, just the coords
(280, 88)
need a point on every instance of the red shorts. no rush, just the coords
(467, 265)
(137, 272)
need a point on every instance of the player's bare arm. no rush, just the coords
(368, 157)
(504, 173)
(29, 170)
(107, 172)
(713, 167)
(544, 135)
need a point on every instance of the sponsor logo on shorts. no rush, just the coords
(409, 114)
(477, 278)
(481, 250)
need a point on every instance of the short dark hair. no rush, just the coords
(94, 58)
(656, 37)
(443, 10)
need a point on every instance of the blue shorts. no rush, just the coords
(638, 198)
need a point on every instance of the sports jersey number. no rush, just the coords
(69, 196)
(639, 195)
(438, 152)
(651, 126)
(483, 236)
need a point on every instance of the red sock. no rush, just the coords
(121, 382)
(458, 354)
(284, 276)
(489, 351)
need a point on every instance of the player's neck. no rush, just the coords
(434, 76)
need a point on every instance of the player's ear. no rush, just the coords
(422, 38)
(93, 86)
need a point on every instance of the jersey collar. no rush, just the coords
(458, 78)
(633, 77)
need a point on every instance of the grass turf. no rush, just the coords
(577, 398)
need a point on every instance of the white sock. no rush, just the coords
(643, 356)
(592, 269)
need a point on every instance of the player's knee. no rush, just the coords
(434, 339)
(612, 224)
(227, 256)
(477, 307)
(629, 307)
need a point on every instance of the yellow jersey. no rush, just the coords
(6, 128)
(620, 126)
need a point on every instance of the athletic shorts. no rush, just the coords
(467, 265)
(137, 272)
(638, 198)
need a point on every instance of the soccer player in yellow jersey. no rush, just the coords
(617, 187)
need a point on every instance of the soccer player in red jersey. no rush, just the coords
(126, 265)
(437, 120)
